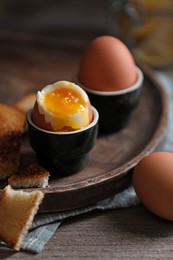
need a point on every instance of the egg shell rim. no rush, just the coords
(49, 115)
(136, 85)
(58, 85)
(40, 94)
(93, 122)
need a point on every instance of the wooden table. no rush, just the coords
(132, 233)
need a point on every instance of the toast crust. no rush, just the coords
(11, 120)
(26, 103)
(11, 128)
(32, 176)
(17, 211)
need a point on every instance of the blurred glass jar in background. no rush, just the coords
(146, 27)
(123, 19)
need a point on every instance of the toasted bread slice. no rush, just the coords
(32, 176)
(17, 211)
(11, 128)
(26, 102)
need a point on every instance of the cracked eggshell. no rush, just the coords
(62, 116)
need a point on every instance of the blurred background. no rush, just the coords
(71, 23)
(146, 26)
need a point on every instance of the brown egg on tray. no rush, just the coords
(109, 75)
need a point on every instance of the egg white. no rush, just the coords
(78, 120)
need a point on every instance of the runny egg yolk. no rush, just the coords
(62, 106)
(64, 102)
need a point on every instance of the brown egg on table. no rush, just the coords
(107, 65)
(153, 182)
(62, 106)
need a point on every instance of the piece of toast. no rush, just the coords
(32, 176)
(26, 103)
(17, 211)
(11, 128)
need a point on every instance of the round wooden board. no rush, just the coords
(111, 161)
(113, 157)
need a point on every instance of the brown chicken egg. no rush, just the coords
(62, 106)
(107, 65)
(153, 182)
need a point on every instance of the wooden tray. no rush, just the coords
(24, 69)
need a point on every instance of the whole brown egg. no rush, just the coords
(153, 182)
(107, 65)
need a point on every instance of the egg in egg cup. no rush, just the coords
(115, 107)
(65, 149)
(110, 77)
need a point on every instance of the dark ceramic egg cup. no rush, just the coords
(115, 107)
(63, 153)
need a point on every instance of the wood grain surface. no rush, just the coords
(24, 69)
(124, 234)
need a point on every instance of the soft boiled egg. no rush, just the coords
(62, 106)
(107, 65)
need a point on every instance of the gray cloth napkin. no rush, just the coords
(45, 225)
